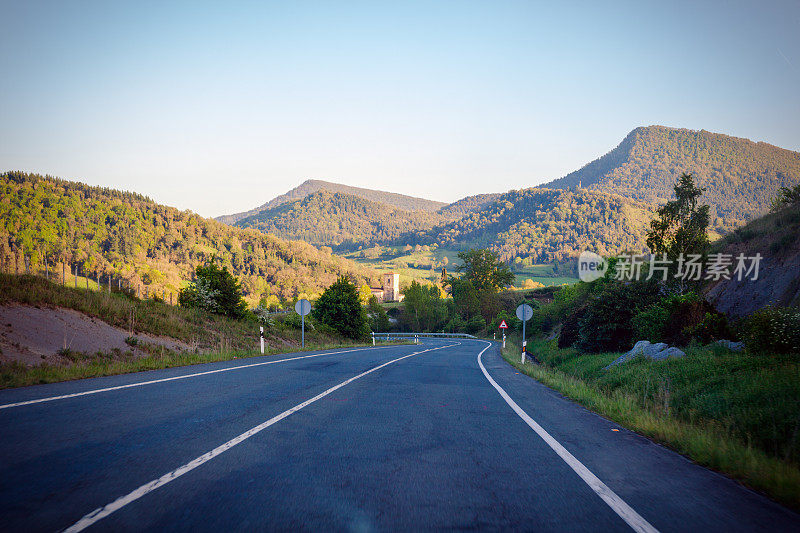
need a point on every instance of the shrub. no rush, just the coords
(570, 329)
(650, 324)
(215, 290)
(456, 325)
(475, 324)
(773, 329)
(606, 325)
(340, 308)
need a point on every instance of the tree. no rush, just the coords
(681, 225)
(340, 308)
(379, 320)
(786, 196)
(365, 293)
(215, 290)
(484, 270)
(423, 307)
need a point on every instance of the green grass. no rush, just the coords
(212, 337)
(736, 413)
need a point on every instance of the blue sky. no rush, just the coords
(218, 107)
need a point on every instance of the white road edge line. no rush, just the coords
(139, 384)
(119, 503)
(625, 511)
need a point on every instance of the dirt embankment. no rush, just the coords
(33, 335)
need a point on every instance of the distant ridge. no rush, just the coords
(399, 201)
(741, 177)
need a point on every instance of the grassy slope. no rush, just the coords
(733, 412)
(216, 338)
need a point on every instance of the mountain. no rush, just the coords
(470, 204)
(741, 177)
(398, 201)
(129, 236)
(340, 220)
(546, 225)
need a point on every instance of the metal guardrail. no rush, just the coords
(416, 336)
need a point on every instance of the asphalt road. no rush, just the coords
(369, 439)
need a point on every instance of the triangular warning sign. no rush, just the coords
(503, 325)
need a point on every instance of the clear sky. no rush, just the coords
(218, 107)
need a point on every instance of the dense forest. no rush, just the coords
(544, 225)
(470, 204)
(341, 220)
(741, 177)
(308, 187)
(127, 235)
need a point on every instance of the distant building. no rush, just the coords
(390, 289)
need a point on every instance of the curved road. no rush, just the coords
(390, 438)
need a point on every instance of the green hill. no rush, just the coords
(308, 187)
(341, 220)
(127, 235)
(741, 177)
(545, 225)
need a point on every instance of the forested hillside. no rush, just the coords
(741, 177)
(128, 235)
(542, 225)
(470, 204)
(308, 187)
(340, 220)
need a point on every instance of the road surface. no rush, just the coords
(411, 437)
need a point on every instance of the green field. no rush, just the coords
(415, 264)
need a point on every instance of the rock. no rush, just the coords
(731, 345)
(657, 352)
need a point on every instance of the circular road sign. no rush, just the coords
(303, 307)
(524, 312)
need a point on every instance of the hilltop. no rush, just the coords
(130, 237)
(741, 177)
(341, 220)
(308, 187)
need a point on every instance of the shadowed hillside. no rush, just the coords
(308, 187)
(340, 220)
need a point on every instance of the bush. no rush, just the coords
(606, 325)
(215, 290)
(475, 324)
(773, 330)
(650, 324)
(456, 325)
(570, 329)
(340, 308)
(679, 319)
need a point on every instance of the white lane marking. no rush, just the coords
(119, 503)
(616, 503)
(163, 380)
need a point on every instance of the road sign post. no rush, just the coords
(524, 313)
(303, 307)
(262, 339)
(504, 327)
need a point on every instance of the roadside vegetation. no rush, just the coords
(737, 413)
(212, 336)
(734, 407)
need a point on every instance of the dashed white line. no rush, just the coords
(119, 503)
(164, 380)
(617, 504)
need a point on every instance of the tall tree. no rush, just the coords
(681, 225)
(484, 270)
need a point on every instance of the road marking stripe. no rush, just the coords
(119, 503)
(129, 385)
(625, 511)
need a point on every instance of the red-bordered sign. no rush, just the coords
(503, 325)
